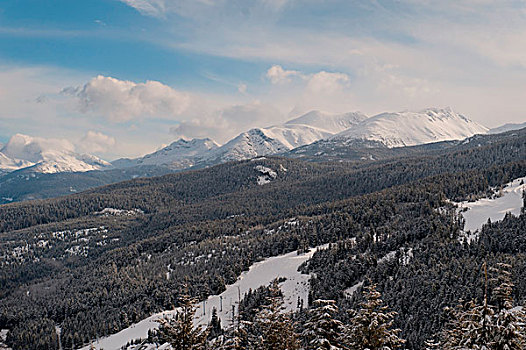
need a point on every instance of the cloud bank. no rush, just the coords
(122, 101)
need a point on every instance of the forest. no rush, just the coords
(95, 262)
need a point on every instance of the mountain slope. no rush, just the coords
(413, 128)
(507, 127)
(24, 184)
(332, 123)
(250, 144)
(46, 156)
(178, 155)
(297, 132)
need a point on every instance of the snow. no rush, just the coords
(179, 154)
(303, 130)
(267, 175)
(480, 211)
(46, 156)
(331, 123)
(3, 337)
(119, 212)
(413, 128)
(349, 292)
(387, 257)
(507, 127)
(259, 274)
(249, 144)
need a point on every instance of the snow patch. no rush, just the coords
(119, 212)
(3, 338)
(267, 175)
(477, 213)
(349, 292)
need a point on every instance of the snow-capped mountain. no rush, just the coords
(250, 144)
(256, 142)
(413, 128)
(46, 156)
(178, 155)
(507, 127)
(332, 123)
(297, 132)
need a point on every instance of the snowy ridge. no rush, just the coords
(292, 136)
(331, 123)
(178, 155)
(413, 128)
(250, 144)
(297, 132)
(46, 156)
(507, 127)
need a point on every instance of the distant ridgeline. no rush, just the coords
(95, 262)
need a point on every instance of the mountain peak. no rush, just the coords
(410, 128)
(180, 154)
(45, 155)
(329, 122)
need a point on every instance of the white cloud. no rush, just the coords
(224, 123)
(211, 9)
(327, 82)
(155, 8)
(277, 75)
(95, 142)
(33, 148)
(121, 101)
(322, 81)
(242, 88)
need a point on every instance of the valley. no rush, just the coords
(101, 261)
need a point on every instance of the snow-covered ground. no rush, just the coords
(259, 274)
(267, 175)
(495, 209)
(479, 212)
(349, 292)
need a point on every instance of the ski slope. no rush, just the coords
(479, 212)
(259, 274)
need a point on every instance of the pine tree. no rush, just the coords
(470, 327)
(509, 329)
(215, 325)
(486, 326)
(236, 338)
(276, 327)
(371, 327)
(322, 330)
(179, 331)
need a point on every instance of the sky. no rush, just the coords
(124, 77)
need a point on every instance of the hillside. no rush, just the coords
(96, 262)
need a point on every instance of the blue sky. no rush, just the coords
(123, 77)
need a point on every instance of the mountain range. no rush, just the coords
(33, 168)
(386, 129)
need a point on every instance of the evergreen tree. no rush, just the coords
(322, 329)
(371, 327)
(491, 327)
(509, 329)
(234, 339)
(276, 327)
(179, 331)
(214, 326)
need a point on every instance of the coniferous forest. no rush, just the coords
(96, 262)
